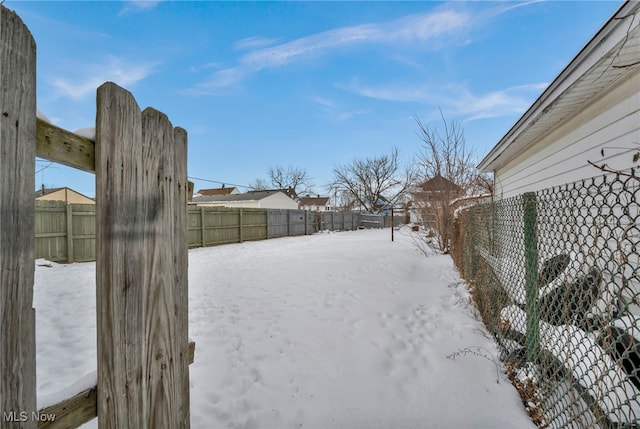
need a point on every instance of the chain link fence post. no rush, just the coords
(531, 276)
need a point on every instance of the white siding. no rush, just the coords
(247, 204)
(278, 201)
(612, 124)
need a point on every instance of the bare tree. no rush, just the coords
(259, 185)
(373, 183)
(445, 153)
(295, 180)
(447, 171)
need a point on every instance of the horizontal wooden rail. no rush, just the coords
(82, 408)
(64, 147)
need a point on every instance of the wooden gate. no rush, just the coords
(140, 163)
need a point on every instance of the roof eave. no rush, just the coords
(601, 44)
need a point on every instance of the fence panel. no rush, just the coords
(82, 221)
(51, 230)
(326, 221)
(397, 220)
(297, 222)
(278, 223)
(556, 276)
(221, 226)
(65, 232)
(254, 224)
(371, 220)
(211, 226)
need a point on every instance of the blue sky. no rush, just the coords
(309, 85)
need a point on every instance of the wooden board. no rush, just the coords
(64, 147)
(17, 179)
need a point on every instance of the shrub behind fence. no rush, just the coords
(556, 277)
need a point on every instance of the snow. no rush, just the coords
(590, 365)
(341, 330)
(42, 116)
(89, 133)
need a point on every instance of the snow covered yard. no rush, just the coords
(335, 330)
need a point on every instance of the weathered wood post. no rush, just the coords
(141, 266)
(69, 218)
(17, 213)
(203, 230)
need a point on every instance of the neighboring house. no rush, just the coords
(589, 113)
(315, 203)
(219, 191)
(65, 194)
(268, 199)
(430, 196)
(439, 187)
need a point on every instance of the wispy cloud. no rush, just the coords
(440, 25)
(206, 66)
(138, 6)
(456, 99)
(336, 110)
(115, 69)
(509, 101)
(219, 83)
(414, 28)
(255, 42)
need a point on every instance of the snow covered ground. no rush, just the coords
(335, 330)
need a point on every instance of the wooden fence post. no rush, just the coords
(203, 230)
(17, 213)
(69, 232)
(140, 266)
(240, 224)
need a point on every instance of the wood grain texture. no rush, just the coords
(64, 147)
(72, 412)
(120, 250)
(141, 267)
(83, 407)
(159, 270)
(17, 179)
(181, 284)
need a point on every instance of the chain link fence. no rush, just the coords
(556, 277)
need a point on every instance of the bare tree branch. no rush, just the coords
(374, 183)
(447, 171)
(295, 179)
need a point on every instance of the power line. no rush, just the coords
(220, 183)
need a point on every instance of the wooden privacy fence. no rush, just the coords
(66, 232)
(209, 226)
(139, 160)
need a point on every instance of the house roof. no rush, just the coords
(609, 57)
(314, 201)
(247, 196)
(217, 191)
(439, 183)
(40, 192)
(46, 191)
